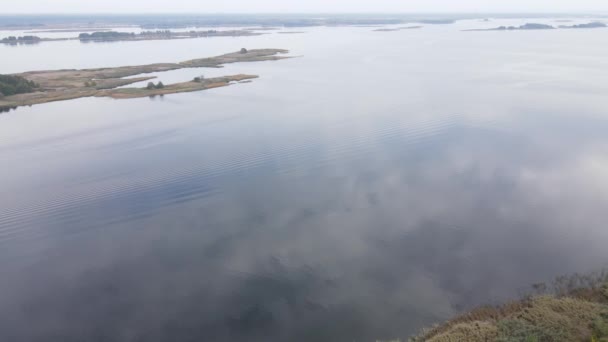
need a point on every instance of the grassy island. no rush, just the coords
(57, 85)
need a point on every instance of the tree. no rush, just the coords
(11, 85)
(160, 85)
(150, 86)
(243, 50)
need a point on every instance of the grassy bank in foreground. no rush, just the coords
(573, 308)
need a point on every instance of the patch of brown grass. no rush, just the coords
(570, 317)
(473, 332)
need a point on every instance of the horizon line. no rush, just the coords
(578, 12)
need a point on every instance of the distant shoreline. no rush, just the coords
(115, 36)
(534, 27)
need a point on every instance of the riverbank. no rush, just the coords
(575, 310)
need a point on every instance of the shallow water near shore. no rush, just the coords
(375, 184)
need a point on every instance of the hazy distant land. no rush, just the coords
(535, 26)
(161, 35)
(594, 24)
(397, 29)
(58, 85)
(114, 36)
(153, 22)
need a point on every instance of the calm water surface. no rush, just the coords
(379, 182)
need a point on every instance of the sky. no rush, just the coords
(300, 6)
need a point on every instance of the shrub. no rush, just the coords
(150, 86)
(599, 328)
(517, 330)
(243, 50)
(11, 85)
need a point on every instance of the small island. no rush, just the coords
(595, 24)
(532, 26)
(13, 40)
(529, 26)
(397, 29)
(35, 87)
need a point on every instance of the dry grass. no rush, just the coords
(58, 85)
(481, 314)
(579, 315)
(473, 332)
(572, 317)
(129, 93)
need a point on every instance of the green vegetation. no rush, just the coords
(152, 86)
(20, 40)
(166, 33)
(574, 308)
(528, 26)
(106, 35)
(13, 85)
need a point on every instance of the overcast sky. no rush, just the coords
(266, 6)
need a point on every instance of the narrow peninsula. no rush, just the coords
(35, 87)
(397, 29)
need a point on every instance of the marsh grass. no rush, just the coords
(570, 309)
